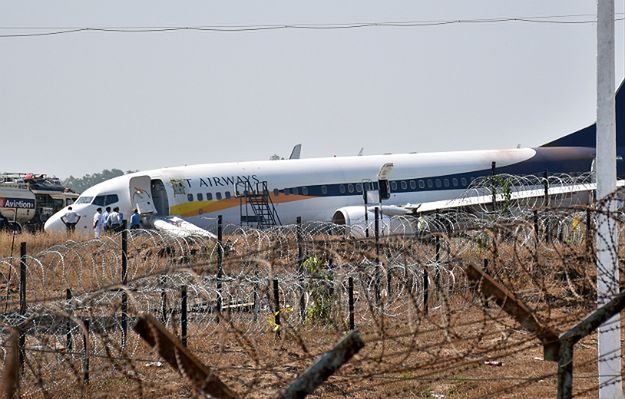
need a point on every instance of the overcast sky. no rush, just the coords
(78, 103)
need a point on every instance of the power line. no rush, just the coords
(570, 19)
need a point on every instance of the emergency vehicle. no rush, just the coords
(27, 200)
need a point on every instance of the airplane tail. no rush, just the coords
(587, 137)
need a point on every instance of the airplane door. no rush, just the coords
(141, 194)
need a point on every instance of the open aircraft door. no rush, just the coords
(141, 194)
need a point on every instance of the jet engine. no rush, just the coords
(392, 220)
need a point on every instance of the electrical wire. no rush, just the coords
(549, 19)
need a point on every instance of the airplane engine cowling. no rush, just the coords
(393, 221)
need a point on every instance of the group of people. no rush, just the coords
(113, 221)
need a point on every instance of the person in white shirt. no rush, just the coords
(105, 217)
(70, 219)
(98, 222)
(114, 221)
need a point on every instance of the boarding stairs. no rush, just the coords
(255, 205)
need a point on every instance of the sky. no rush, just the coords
(78, 103)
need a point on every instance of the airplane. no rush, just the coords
(331, 189)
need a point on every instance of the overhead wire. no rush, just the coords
(59, 30)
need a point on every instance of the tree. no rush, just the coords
(80, 184)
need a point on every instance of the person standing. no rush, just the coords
(114, 221)
(70, 219)
(135, 220)
(105, 217)
(98, 222)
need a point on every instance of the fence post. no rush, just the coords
(22, 338)
(350, 295)
(546, 187)
(437, 273)
(256, 297)
(85, 355)
(163, 300)
(183, 315)
(276, 298)
(300, 269)
(68, 325)
(124, 305)
(220, 270)
(588, 232)
(426, 289)
(378, 278)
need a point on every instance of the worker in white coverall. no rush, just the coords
(98, 223)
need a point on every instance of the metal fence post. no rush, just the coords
(350, 294)
(68, 325)
(22, 291)
(85, 356)
(124, 304)
(220, 270)
(300, 269)
(276, 298)
(183, 315)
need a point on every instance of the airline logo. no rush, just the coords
(19, 203)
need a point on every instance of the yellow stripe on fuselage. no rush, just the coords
(195, 208)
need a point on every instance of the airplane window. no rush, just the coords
(342, 188)
(227, 194)
(350, 187)
(200, 196)
(276, 192)
(454, 182)
(209, 196)
(359, 187)
(84, 200)
(404, 185)
(324, 189)
(421, 184)
(304, 190)
(430, 183)
(438, 183)
(218, 196)
(295, 190)
(286, 191)
(190, 197)
(375, 185)
(393, 186)
(111, 199)
(413, 185)
(446, 183)
(463, 181)
(99, 200)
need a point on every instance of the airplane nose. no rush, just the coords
(54, 224)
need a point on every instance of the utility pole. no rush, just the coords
(609, 334)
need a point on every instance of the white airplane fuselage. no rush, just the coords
(312, 189)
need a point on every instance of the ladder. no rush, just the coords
(255, 205)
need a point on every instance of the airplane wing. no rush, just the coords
(560, 195)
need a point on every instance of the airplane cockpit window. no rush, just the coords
(83, 200)
(200, 196)
(105, 200)
(227, 193)
(218, 196)
(209, 196)
(190, 197)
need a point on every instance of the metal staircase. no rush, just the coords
(255, 205)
